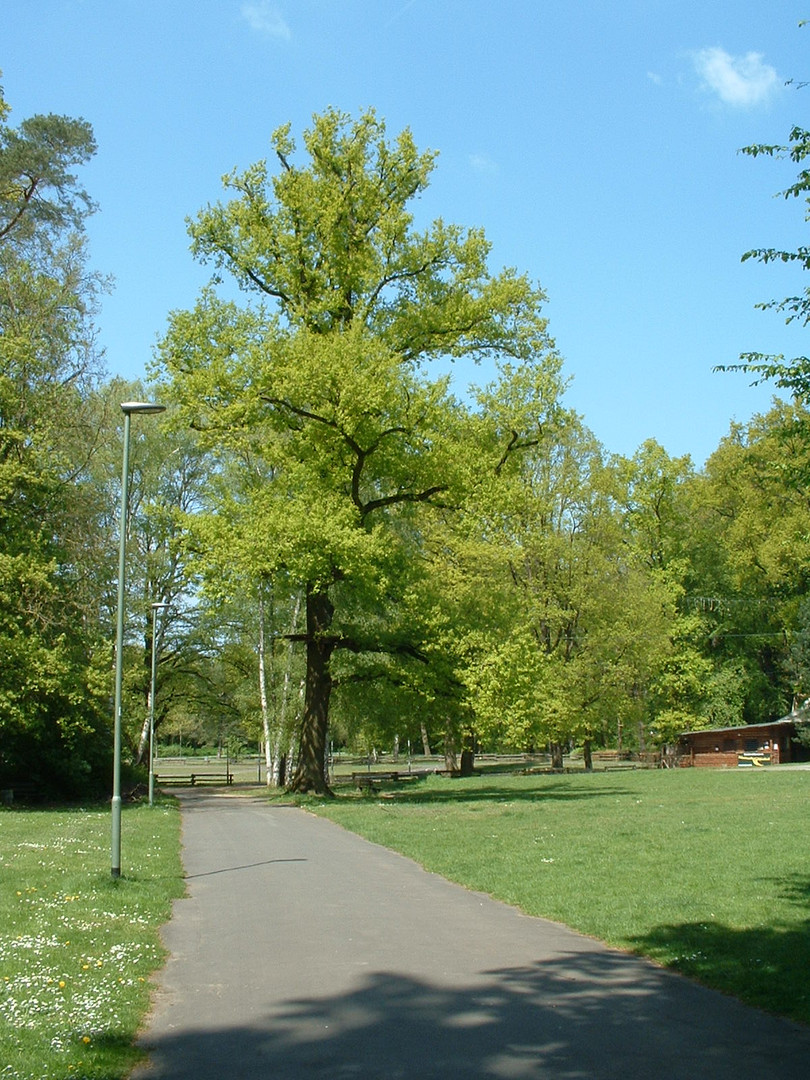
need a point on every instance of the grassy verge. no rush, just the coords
(76, 948)
(705, 871)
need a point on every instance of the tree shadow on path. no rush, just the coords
(590, 1014)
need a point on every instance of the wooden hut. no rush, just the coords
(773, 743)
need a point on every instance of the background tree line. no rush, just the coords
(347, 547)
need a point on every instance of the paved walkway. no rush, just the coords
(303, 951)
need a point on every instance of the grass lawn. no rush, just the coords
(706, 871)
(77, 949)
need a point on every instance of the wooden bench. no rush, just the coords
(211, 778)
(20, 791)
(192, 779)
(371, 779)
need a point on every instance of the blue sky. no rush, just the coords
(596, 142)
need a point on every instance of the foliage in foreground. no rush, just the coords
(52, 699)
(704, 871)
(77, 949)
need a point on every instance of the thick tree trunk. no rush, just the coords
(587, 755)
(556, 756)
(425, 740)
(450, 753)
(310, 772)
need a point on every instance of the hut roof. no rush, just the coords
(785, 721)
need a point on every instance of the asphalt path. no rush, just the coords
(303, 951)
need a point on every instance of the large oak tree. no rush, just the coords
(323, 373)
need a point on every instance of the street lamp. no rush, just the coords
(128, 408)
(155, 609)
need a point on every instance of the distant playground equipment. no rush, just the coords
(755, 759)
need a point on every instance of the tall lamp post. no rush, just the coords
(153, 687)
(128, 408)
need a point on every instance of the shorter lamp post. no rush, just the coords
(128, 408)
(152, 689)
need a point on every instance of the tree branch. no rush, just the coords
(401, 497)
(513, 445)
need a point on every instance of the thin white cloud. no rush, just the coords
(741, 81)
(401, 12)
(267, 19)
(481, 163)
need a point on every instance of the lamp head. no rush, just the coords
(146, 407)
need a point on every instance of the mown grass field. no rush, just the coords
(77, 949)
(706, 871)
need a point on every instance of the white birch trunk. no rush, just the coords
(268, 746)
(143, 741)
(285, 698)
